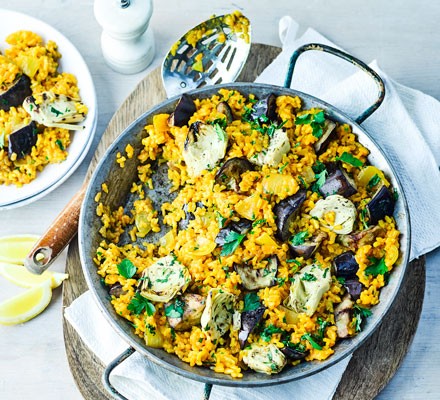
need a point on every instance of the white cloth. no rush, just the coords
(405, 126)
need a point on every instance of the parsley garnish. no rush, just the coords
(316, 121)
(311, 340)
(232, 241)
(126, 268)
(320, 175)
(151, 329)
(375, 179)
(281, 281)
(258, 222)
(221, 122)
(59, 143)
(221, 220)
(299, 238)
(281, 169)
(267, 333)
(322, 324)
(309, 277)
(251, 302)
(361, 314)
(139, 304)
(175, 310)
(363, 217)
(377, 267)
(55, 111)
(350, 159)
(220, 132)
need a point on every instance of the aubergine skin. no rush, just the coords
(241, 227)
(346, 265)
(309, 247)
(338, 182)
(230, 172)
(184, 110)
(224, 108)
(354, 288)
(249, 320)
(380, 206)
(286, 211)
(22, 141)
(265, 109)
(293, 354)
(16, 94)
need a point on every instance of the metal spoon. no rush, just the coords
(213, 52)
(223, 53)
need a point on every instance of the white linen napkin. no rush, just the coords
(405, 126)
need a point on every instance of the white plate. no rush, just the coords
(71, 61)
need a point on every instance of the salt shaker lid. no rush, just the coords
(123, 19)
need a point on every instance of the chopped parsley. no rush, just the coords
(316, 121)
(377, 267)
(232, 241)
(126, 268)
(139, 304)
(375, 179)
(281, 169)
(361, 314)
(59, 143)
(221, 220)
(221, 122)
(311, 340)
(151, 329)
(175, 310)
(251, 302)
(299, 238)
(363, 217)
(350, 159)
(320, 175)
(309, 277)
(281, 281)
(270, 330)
(53, 110)
(220, 132)
(258, 222)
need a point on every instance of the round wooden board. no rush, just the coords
(371, 367)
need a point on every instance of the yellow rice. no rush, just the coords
(39, 61)
(194, 245)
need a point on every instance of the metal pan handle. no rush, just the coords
(352, 60)
(119, 359)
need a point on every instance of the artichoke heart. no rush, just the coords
(267, 359)
(307, 289)
(163, 280)
(55, 110)
(343, 210)
(204, 147)
(279, 146)
(217, 315)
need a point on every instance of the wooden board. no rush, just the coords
(371, 367)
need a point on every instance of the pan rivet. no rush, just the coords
(182, 84)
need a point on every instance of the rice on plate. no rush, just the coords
(276, 238)
(38, 106)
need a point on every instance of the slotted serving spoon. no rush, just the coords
(217, 56)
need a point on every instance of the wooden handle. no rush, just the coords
(57, 236)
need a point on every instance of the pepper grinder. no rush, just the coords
(127, 39)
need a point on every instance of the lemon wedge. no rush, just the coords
(25, 306)
(19, 275)
(14, 249)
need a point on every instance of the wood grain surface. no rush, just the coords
(371, 367)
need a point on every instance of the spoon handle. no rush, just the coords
(57, 237)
